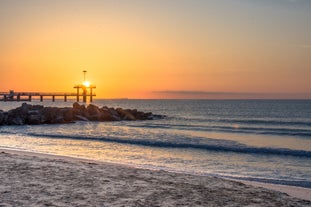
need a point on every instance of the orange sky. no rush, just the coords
(158, 49)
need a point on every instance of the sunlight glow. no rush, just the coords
(86, 84)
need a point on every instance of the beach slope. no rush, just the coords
(40, 180)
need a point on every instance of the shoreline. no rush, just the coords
(295, 191)
(184, 188)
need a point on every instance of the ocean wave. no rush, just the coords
(266, 122)
(263, 130)
(300, 183)
(236, 148)
(246, 121)
(231, 129)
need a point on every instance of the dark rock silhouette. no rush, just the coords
(36, 114)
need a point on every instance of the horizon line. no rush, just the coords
(228, 92)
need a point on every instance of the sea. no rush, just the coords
(257, 140)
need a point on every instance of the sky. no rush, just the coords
(158, 48)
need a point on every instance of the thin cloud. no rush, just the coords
(307, 46)
(229, 95)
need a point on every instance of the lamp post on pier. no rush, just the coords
(84, 73)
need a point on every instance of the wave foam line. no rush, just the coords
(156, 143)
(233, 129)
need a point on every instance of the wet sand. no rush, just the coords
(31, 179)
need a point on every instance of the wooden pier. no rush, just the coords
(86, 88)
(28, 96)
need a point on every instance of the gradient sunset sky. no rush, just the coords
(158, 48)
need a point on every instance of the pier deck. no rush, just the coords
(28, 96)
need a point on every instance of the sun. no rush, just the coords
(86, 84)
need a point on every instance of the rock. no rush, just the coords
(139, 115)
(5, 118)
(113, 112)
(25, 107)
(79, 109)
(116, 118)
(16, 121)
(93, 113)
(1, 117)
(52, 115)
(37, 114)
(76, 105)
(68, 114)
(106, 115)
(33, 112)
(58, 119)
(93, 117)
(93, 110)
(47, 115)
(148, 115)
(15, 117)
(81, 118)
(133, 112)
(110, 114)
(33, 120)
(125, 114)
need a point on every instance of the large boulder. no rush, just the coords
(68, 114)
(4, 118)
(25, 108)
(16, 117)
(79, 110)
(92, 113)
(33, 119)
(1, 117)
(105, 115)
(47, 115)
(52, 115)
(33, 115)
(15, 120)
(126, 114)
(92, 109)
(113, 112)
(76, 105)
(58, 116)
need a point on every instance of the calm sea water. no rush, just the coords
(260, 140)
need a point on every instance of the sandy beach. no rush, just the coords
(31, 179)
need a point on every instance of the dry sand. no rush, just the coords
(29, 179)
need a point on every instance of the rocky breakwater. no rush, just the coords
(28, 114)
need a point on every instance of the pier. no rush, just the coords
(28, 96)
(83, 90)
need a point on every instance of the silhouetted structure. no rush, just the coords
(85, 92)
(28, 96)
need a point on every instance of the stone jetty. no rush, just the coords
(28, 114)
